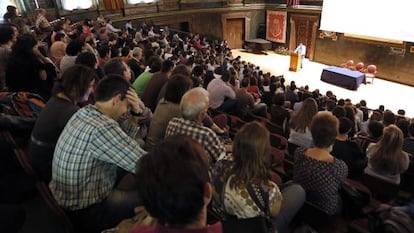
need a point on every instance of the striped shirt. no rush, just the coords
(90, 149)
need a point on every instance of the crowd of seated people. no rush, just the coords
(137, 86)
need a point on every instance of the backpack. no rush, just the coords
(392, 221)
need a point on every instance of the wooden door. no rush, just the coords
(303, 29)
(235, 32)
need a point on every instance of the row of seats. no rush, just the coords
(41, 187)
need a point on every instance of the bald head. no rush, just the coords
(194, 102)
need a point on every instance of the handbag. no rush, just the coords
(259, 224)
(353, 200)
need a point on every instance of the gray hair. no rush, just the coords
(193, 102)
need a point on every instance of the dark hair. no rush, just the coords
(115, 66)
(167, 65)
(181, 69)
(197, 70)
(74, 47)
(171, 181)
(345, 124)
(278, 99)
(125, 51)
(226, 76)
(403, 125)
(86, 58)
(75, 82)
(388, 118)
(324, 129)
(411, 129)
(111, 86)
(339, 111)
(24, 46)
(245, 82)
(176, 87)
(103, 50)
(155, 64)
(6, 33)
(375, 128)
(59, 36)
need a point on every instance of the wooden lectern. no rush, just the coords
(295, 61)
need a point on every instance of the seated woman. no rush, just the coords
(386, 159)
(299, 132)
(242, 181)
(76, 84)
(319, 173)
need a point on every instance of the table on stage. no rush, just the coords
(343, 77)
(257, 44)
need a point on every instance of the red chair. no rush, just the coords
(50, 201)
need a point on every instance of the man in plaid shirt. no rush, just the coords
(88, 153)
(194, 106)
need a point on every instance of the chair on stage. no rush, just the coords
(370, 73)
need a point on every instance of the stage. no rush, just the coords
(392, 95)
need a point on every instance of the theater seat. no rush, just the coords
(381, 189)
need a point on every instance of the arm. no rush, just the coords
(275, 199)
(111, 144)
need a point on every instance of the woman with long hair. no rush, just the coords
(386, 159)
(244, 178)
(300, 123)
(25, 71)
(75, 86)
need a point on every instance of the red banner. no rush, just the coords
(276, 26)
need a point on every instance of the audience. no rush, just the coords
(91, 148)
(300, 133)
(167, 108)
(320, 173)
(386, 159)
(194, 106)
(243, 179)
(75, 86)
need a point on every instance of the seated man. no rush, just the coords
(91, 148)
(222, 95)
(194, 106)
(180, 163)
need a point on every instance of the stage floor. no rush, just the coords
(392, 95)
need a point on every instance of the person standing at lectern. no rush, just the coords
(301, 50)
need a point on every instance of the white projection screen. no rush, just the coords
(373, 18)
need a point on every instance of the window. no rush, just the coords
(76, 4)
(139, 1)
(3, 6)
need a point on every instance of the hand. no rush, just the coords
(133, 100)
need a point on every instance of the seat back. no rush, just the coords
(276, 129)
(278, 141)
(51, 202)
(381, 189)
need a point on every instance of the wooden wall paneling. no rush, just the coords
(238, 15)
(168, 5)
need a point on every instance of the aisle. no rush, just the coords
(392, 95)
